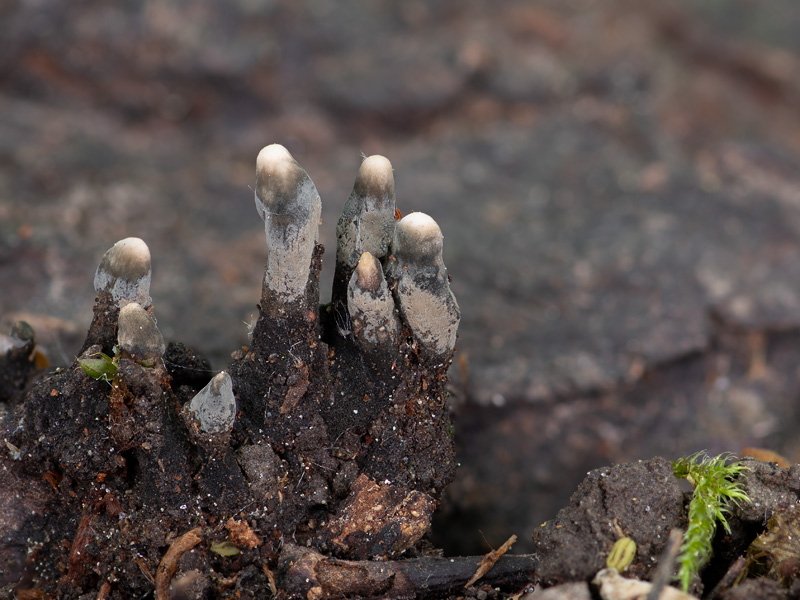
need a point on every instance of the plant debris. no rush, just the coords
(488, 561)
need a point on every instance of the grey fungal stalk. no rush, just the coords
(423, 289)
(367, 220)
(288, 202)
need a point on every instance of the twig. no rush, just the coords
(731, 575)
(488, 561)
(168, 565)
(308, 574)
(666, 564)
(76, 559)
(104, 591)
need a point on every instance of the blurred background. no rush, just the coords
(617, 183)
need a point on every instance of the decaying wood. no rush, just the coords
(730, 578)
(310, 575)
(242, 534)
(105, 590)
(76, 553)
(378, 520)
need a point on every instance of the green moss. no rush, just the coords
(714, 492)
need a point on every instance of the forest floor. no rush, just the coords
(618, 184)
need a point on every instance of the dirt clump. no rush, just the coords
(310, 467)
(133, 468)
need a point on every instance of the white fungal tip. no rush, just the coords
(418, 238)
(375, 179)
(125, 272)
(138, 334)
(274, 153)
(215, 405)
(278, 176)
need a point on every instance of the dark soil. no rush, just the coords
(323, 487)
(336, 446)
(617, 181)
(114, 497)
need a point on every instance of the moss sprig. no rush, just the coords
(715, 491)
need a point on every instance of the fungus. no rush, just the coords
(368, 218)
(21, 336)
(371, 304)
(215, 405)
(138, 334)
(288, 202)
(125, 272)
(342, 442)
(423, 290)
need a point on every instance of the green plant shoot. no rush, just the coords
(225, 548)
(103, 368)
(714, 493)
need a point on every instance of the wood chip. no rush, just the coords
(242, 535)
(765, 455)
(270, 578)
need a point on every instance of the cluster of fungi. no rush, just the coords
(138, 470)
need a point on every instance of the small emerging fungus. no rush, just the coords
(215, 405)
(21, 335)
(371, 304)
(138, 335)
(125, 272)
(288, 202)
(423, 289)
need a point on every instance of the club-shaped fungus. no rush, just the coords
(371, 304)
(138, 335)
(288, 202)
(368, 218)
(423, 290)
(21, 335)
(215, 406)
(125, 272)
